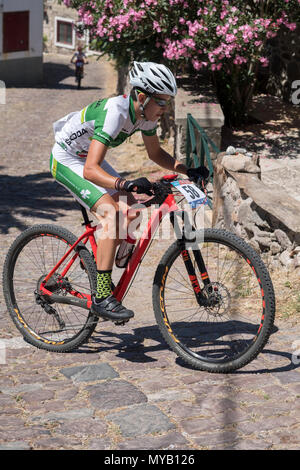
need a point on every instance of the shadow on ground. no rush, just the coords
(132, 348)
(24, 198)
(273, 133)
(54, 76)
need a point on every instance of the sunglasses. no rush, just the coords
(161, 102)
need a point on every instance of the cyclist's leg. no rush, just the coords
(68, 171)
(127, 214)
(104, 303)
(106, 210)
(103, 203)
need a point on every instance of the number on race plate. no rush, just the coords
(194, 196)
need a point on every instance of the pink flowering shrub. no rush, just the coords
(224, 37)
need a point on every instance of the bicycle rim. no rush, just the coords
(28, 262)
(234, 328)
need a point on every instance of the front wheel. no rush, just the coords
(230, 327)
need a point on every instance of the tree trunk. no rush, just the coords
(123, 82)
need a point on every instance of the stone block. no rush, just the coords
(239, 163)
(115, 393)
(89, 373)
(141, 420)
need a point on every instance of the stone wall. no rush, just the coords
(53, 10)
(243, 204)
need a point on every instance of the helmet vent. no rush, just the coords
(155, 73)
(154, 78)
(154, 85)
(168, 85)
(163, 73)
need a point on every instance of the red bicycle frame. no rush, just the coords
(169, 205)
(84, 300)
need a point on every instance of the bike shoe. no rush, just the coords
(111, 309)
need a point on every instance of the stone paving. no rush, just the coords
(125, 389)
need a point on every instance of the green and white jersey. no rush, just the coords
(111, 121)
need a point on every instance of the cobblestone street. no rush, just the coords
(124, 389)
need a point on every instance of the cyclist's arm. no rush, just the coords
(92, 170)
(160, 156)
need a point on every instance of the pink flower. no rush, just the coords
(156, 26)
(87, 18)
(264, 61)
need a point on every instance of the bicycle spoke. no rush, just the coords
(225, 328)
(41, 254)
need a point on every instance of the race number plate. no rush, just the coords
(194, 196)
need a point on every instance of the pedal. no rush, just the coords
(121, 322)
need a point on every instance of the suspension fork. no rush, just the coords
(184, 236)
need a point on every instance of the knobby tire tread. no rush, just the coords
(240, 245)
(19, 243)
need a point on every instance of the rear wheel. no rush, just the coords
(236, 322)
(51, 326)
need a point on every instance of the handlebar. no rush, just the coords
(162, 188)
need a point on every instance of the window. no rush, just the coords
(16, 31)
(64, 33)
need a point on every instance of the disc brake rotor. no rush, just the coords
(219, 299)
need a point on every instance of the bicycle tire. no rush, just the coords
(49, 235)
(205, 325)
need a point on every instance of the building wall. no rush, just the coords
(23, 68)
(52, 13)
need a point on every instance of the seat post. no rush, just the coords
(84, 215)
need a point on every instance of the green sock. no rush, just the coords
(103, 284)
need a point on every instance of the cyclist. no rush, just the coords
(78, 162)
(79, 56)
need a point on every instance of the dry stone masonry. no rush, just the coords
(269, 220)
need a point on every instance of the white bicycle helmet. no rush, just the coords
(153, 78)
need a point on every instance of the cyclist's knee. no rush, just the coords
(106, 210)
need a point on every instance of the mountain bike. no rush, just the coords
(213, 298)
(79, 72)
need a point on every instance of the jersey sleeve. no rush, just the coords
(149, 128)
(109, 121)
(150, 132)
